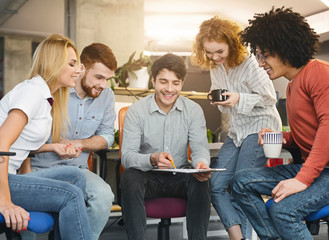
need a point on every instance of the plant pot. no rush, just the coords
(142, 79)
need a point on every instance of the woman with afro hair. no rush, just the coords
(285, 45)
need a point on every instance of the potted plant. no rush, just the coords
(136, 71)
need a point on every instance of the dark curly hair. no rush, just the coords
(283, 32)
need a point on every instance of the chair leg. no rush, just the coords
(313, 226)
(117, 179)
(163, 229)
(10, 235)
(121, 222)
(51, 235)
(2, 228)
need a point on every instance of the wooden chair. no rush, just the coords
(163, 208)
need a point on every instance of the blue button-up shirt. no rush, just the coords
(88, 117)
(147, 130)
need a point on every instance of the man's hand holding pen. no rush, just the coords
(165, 160)
(161, 160)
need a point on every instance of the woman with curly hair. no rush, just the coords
(251, 104)
(285, 45)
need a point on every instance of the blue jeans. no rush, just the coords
(248, 155)
(284, 220)
(99, 198)
(60, 191)
(137, 185)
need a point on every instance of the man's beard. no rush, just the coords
(87, 89)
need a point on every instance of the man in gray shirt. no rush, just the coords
(158, 128)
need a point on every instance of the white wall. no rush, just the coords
(117, 23)
(48, 18)
(280, 85)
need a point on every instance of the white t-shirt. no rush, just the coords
(29, 96)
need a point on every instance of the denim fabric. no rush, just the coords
(137, 185)
(59, 190)
(285, 218)
(99, 199)
(248, 155)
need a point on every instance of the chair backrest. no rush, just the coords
(121, 118)
(91, 161)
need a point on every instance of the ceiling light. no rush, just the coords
(319, 21)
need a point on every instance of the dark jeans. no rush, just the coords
(285, 219)
(137, 185)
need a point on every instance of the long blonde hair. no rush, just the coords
(49, 61)
(219, 30)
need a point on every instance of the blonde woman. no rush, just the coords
(251, 104)
(28, 114)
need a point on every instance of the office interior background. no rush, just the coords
(155, 26)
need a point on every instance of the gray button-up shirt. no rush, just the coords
(147, 130)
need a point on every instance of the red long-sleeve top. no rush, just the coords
(308, 115)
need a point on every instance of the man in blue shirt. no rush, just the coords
(157, 129)
(91, 128)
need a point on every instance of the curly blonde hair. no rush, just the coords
(219, 30)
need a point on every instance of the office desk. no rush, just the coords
(113, 155)
(104, 156)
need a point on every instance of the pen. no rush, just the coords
(172, 162)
